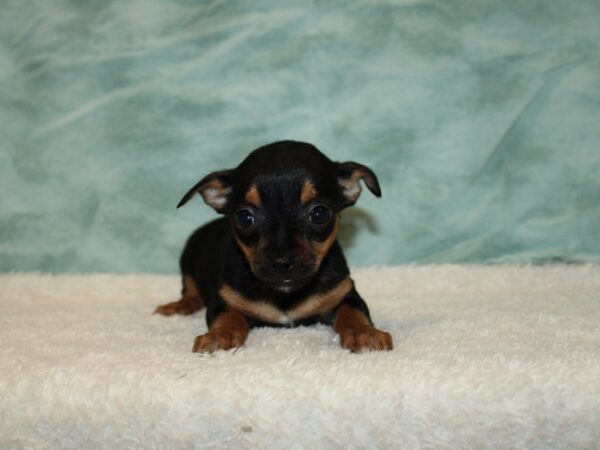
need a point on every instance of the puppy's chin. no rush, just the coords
(285, 286)
(288, 288)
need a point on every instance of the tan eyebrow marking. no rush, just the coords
(308, 193)
(312, 305)
(253, 196)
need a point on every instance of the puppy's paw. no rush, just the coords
(184, 306)
(219, 339)
(365, 337)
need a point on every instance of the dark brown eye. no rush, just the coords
(244, 219)
(319, 215)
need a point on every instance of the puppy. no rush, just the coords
(274, 260)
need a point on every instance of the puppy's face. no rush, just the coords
(285, 226)
(283, 202)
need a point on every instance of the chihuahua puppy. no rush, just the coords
(274, 260)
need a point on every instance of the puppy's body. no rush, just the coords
(212, 259)
(274, 260)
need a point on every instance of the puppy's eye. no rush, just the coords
(319, 215)
(244, 219)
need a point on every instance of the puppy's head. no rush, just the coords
(283, 202)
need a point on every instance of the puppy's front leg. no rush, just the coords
(356, 330)
(229, 329)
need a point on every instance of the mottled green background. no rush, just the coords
(482, 119)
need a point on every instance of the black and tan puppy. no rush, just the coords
(274, 259)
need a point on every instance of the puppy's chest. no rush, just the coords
(269, 310)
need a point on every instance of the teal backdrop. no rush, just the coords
(481, 118)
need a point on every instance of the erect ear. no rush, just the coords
(214, 189)
(349, 175)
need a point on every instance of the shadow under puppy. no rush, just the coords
(274, 259)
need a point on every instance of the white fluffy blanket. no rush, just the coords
(485, 357)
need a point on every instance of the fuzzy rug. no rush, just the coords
(485, 357)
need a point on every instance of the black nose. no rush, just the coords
(283, 264)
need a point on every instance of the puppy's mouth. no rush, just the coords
(285, 285)
(290, 285)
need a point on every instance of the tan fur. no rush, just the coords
(253, 196)
(357, 333)
(257, 309)
(249, 252)
(308, 193)
(189, 303)
(230, 319)
(229, 330)
(263, 310)
(189, 287)
(321, 248)
(348, 317)
(321, 303)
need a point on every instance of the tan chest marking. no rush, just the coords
(267, 312)
(321, 303)
(257, 309)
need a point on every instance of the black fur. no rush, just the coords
(213, 257)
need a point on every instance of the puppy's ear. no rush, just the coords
(214, 189)
(349, 175)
